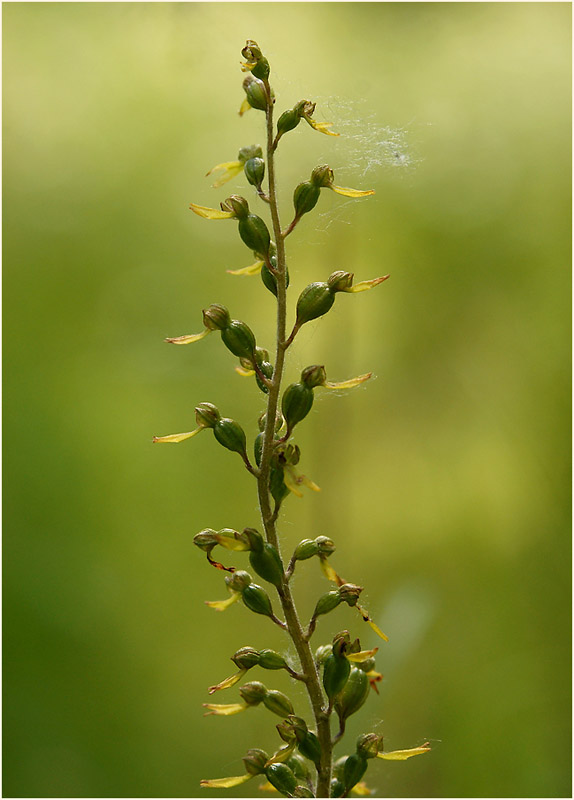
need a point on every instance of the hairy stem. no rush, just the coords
(268, 517)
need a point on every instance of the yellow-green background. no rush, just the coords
(445, 481)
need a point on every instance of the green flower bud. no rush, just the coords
(277, 486)
(251, 151)
(285, 731)
(336, 672)
(257, 600)
(340, 281)
(349, 593)
(216, 317)
(282, 778)
(322, 653)
(296, 403)
(258, 447)
(267, 369)
(231, 435)
(256, 61)
(255, 234)
(207, 415)
(342, 643)
(253, 693)
(314, 301)
(327, 603)
(269, 659)
(237, 205)
(306, 549)
(269, 279)
(246, 658)
(267, 564)
(314, 376)
(354, 694)
(322, 176)
(239, 581)
(355, 768)
(205, 540)
(305, 198)
(287, 122)
(310, 748)
(255, 761)
(255, 171)
(255, 92)
(299, 766)
(239, 339)
(368, 665)
(368, 745)
(325, 545)
(278, 703)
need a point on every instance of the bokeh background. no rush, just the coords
(445, 481)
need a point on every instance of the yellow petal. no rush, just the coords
(362, 655)
(330, 573)
(245, 373)
(362, 286)
(282, 754)
(267, 787)
(291, 482)
(211, 213)
(351, 192)
(228, 682)
(245, 106)
(362, 790)
(223, 710)
(365, 615)
(350, 384)
(176, 437)
(232, 543)
(225, 783)
(308, 483)
(322, 127)
(193, 337)
(229, 170)
(252, 269)
(221, 605)
(402, 755)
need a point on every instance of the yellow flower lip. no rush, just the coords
(346, 192)
(174, 438)
(402, 755)
(190, 339)
(211, 213)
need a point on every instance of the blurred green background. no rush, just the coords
(445, 481)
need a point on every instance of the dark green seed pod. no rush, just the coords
(296, 403)
(269, 279)
(282, 778)
(322, 176)
(257, 600)
(239, 581)
(368, 745)
(253, 693)
(314, 301)
(231, 435)
(288, 121)
(255, 92)
(239, 339)
(254, 170)
(277, 486)
(327, 603)
(255, 761)
(267, 564)
(336, 672)
(255, 234)
(205, 540)
(314, 376)
(340, 281)
(216, 317)
(305, 198)
(236, 204)
(306, 549)
(354, 694)
(269, 659)
(207, 415)
(267, 369)
(251, 151)
(246, 658)
(278, 703)
(310, 748)
(355, 768)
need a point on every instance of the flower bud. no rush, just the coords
(299, 766)
(349, 593)
(237, 204)
(305, 198)
(327, 603)
(255, 171)
(251, 151)
(269, 279)
(325, 545)
(322, 653)
(239, 581)
(255, 761)
(296, 403)
(231, 435)
(246, 658)
(258, 447)
(355, 768)
(256, 61)
(368, 745)
(287, 122)
(353, 695)
(239, 339)
(368, 665)
(255, 234)
(278, 703)
(282, 778)
(255, 92)
(269, 659)
(306, 549)
(314, 376)
(322, 176)
(267, 369)
(253, 693)
(336, 672)
(314, 301)
(340, 281)
(267, 564)
(207, 415)
(216, 317)
(257, 600)
(205, 540)
(309, 747)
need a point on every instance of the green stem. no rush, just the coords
(308, 666)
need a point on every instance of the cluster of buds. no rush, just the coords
(339, 676)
